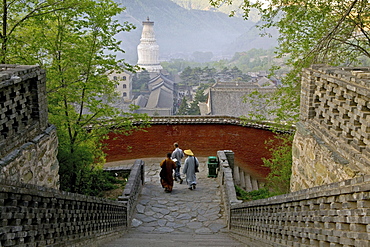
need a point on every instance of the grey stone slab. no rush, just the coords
(163, 211)
(163, 229)
(140, 208)
(215, 227)
(174, 225)
(148, 219)
(194, 225)
(203, 230)
(136, 223)
(162, 222)
(184, 216)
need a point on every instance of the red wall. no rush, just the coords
(248, 144)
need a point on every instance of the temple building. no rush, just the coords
(124, 84)
(228, 98)
(158, 100)
(148, 49)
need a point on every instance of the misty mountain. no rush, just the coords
(180, 31)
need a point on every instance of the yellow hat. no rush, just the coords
(188, 152)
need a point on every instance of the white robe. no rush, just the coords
(189, 169)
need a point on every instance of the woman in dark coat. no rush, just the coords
(166, 174)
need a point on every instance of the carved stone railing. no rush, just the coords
(133, 188)
(337, 214)
(39, 216)
(332, 141)
(226, 182)
(336, 102)
(23, 105)
(28, 144)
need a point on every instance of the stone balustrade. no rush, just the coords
(336, 214)
(133, 188)
(28, 144)
(23, 105)
(332, 141)
(38, 216)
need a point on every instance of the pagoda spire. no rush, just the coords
(148, 49)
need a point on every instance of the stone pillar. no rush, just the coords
(242, 179)
(254, 184)
(248, 183)
(230, 158)
(236, 175)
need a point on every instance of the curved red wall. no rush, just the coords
(248, 144)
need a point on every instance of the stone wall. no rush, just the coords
(226, 181)
(28, 144)
(332, 141)
(133, 187)
(35, 162)
(337, 214)
(39, 216)
(204, 135)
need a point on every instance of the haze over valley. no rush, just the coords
(182, 31)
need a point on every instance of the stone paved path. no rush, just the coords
(181, 218)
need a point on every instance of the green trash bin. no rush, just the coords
(212, 166)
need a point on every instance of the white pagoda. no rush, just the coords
(148, 49)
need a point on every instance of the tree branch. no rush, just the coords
(325, 41)
(40, 7)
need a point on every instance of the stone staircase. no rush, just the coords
(181, 218)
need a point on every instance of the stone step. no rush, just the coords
(174, 240)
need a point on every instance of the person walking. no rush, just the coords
(166, 173)
(191, 166)
(177, 155)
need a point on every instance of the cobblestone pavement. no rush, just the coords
(195, 215)
(182, 210)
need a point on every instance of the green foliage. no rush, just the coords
(280, 163)
(175, 66)
(311, 31)
(194, 108)
(200, 96)
(80, 171)
(74, 41)
(183, 108)
(253, 195)
(140, 80)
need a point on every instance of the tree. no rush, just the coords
(140, 80)
(17, 14)
(311, 31)
(330, 32)
(280, 163)
(75, 44)
(194, 108)
(199, 95)
(183, 108)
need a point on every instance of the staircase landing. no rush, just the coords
(181, 218)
